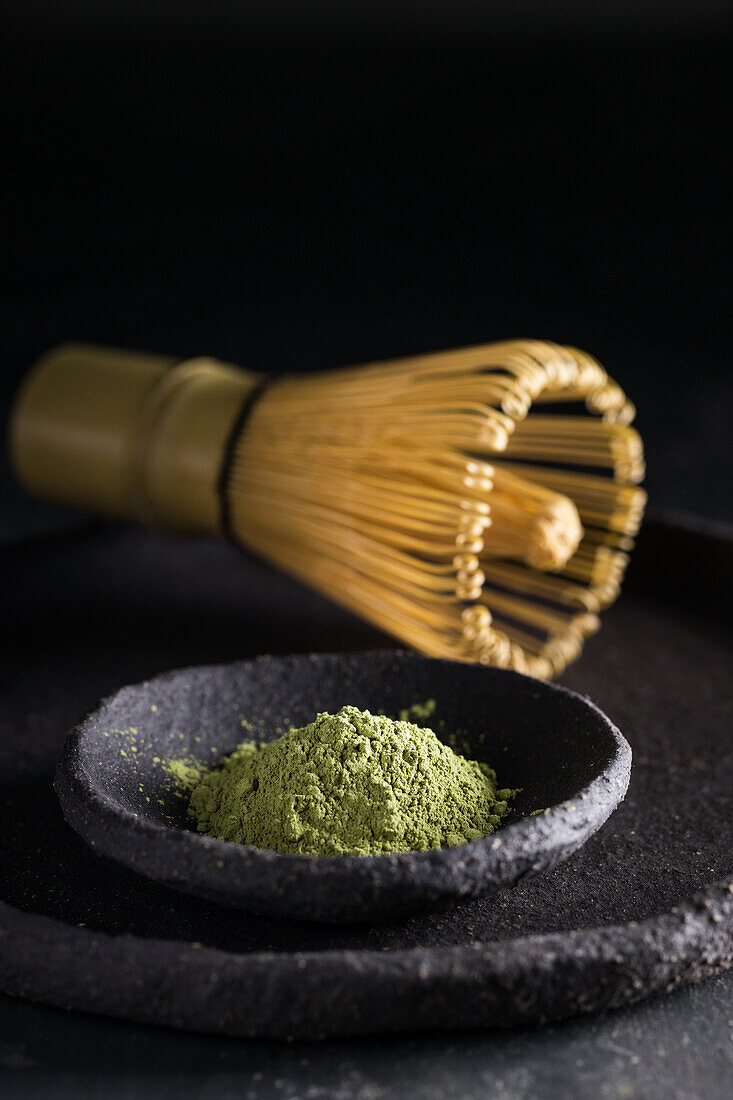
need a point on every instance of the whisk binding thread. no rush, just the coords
(240, 423)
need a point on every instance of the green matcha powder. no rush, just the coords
(351, 783)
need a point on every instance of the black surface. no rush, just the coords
(661, 669)
(571, 763)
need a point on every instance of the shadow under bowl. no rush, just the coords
(572, 764)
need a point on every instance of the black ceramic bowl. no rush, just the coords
(567, 757)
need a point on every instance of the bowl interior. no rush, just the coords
(537, 737)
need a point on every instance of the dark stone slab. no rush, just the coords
(610, 925)
(667, 1048)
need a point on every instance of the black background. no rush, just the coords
(295, 186)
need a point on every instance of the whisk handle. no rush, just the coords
(128, 434)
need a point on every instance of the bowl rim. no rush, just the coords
(81, 796)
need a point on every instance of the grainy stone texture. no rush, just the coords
(610, 925)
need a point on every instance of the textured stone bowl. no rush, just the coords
(571, 763)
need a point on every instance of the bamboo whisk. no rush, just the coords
(478, 504)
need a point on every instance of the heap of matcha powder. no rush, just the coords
(351, 783)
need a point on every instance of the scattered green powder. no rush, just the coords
(419, 711)
(185, 773)
(351, 783)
